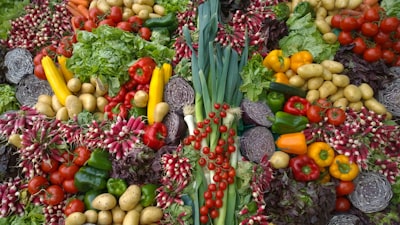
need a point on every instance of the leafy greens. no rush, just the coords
(392, 8)
(8, 99)
(173, 5)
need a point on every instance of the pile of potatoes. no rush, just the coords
(142, 8)
(86, 96)
(125, 211)
(325, 80)
(324, 10)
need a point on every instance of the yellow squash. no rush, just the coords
(62, 62)
(156, 92)
(167, 68)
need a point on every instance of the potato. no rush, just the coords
(310, 70)
(366, 91)
(160, 111)
(91, 216)
(101, 103)
(340, 80)
(115, 2)
(322, 26)
(136, 7)
(138, 207)
(74, 105)
(104, 217)
(353, 4)
(55, 103)
(143, 14)
(159, 9)
(327, 88)
(327, 75)
(333, 66)
(128, 3)
(45, 109)
(356, 106)
(45, 99)
(75, 218)
(352, 93)
(127, 13)
(150, 214)
(130, 198)
(312, 95)
(105, 201)
(118, 214)
(132, 217)
(313, 3)
(389, 116)
(279, 160)
(290, 73)
(328, 19)
(338, 94)
(328, 4)
(296, 81)
(374, 105)
(93, 4)
(321, 13)
(341, 4)
(87, 88)
(141, 98)
(154, 15)
(89, 102)
(100, 88)
(62, 114)
(74, 84)
(314, 83)
(341, 103)
(330, 37)
(103, 6)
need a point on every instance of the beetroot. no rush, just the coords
(257, 142)
(256, 113)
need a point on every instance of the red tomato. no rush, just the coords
(89, 25)
(74, 205)
(108, 22)
(95, 14)
(335, 21)
(381, 37)
(54, 195)
(344, 188)
(336, 116)
(397, 34)
(37, 60)
(136, 22)
(115, 14)
(372, 54)
(369, 29)
(145, 33)
(67, 156)
(124, 25)
(68, 170)
(36, 184)
(342, 204)
(387, 45)
(49, 50)
(82, 154)
(69, 186)
(359, 46)
(396, 46)
(324, 103)
(389, 24)
(39, 72)
(397, 63)
(371, 15)
(345, 38)
(348, 23)
(64, 50)
(78, 22)
(56, 178)
(49, 165)
(314, 113)
(360, 22)
(388, 56)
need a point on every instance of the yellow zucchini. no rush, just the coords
(156, 92)
(167, 68)
(62, 62)
(55, 80)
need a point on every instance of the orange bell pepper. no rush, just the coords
(276, 61)
(300, 58)
(281, 77)
(292, 143)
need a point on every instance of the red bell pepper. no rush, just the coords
(304, 168)
(130, 85)
(154, 135)
(114, 108)
(120, 95)
(128, 102)
(142, 70)
(296, 105)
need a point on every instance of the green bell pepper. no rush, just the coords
(90, 178)
(116, 186)
(89, 196)
(284, 123)
(275, 101)
(100, 159)
(148, 194)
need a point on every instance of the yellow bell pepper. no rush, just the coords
(321, 152)
(281, 77)
(276, 61)
(324, 176)
(300, 58)
(343, 169)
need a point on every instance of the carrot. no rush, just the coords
(83, 10)
(80, 2)
(73, 9)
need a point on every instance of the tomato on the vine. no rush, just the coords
(345, 38)
(124, 25)
(108, 22)
(81, 155)
(78, 22)
(335, 20)
(74, 205)
(36, 184)
(89, 25)
(314, 113)
(336, 116)
(371, 15)
(136, 22)
(68, 170)
(69, 186)
(115, 14)
(342, 204)
(388, 56)
(396, 46)
(389, 24)
(324, 103)
(145, 33)
(372, 54)
(348, 23)
(39, 72)
(359, 45)
(56, 178)
(369, 29)
(95, 14)
(49, 165)
(37, 60)
(54, 195)
(344, 188)
(381, 37)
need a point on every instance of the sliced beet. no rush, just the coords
(256, 113)
(176, 128)
(257, 142)
(178, 93)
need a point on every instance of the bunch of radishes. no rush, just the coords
(10, 194)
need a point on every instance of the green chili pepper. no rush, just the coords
(275, 101)
(89, 196)
(148, 194)
(116, 186)
(284, 123)
(100, 159)
(90, 178)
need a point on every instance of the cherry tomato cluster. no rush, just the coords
(343, 188)
(216, 160)
(375, 36)
(114, 19)
(318, 110)
(58, 178)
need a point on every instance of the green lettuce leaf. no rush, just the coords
(392, 8)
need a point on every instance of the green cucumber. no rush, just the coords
(169, 21)
(286, 89)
